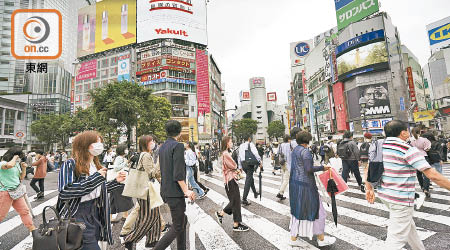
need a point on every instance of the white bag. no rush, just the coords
(154, 189)
(112, 174)
(336, 163)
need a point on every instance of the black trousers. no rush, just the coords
(178, 229)
(41, 185)
(351, 165)
(249, 182)
(196, 178)
(322, 158)
(234, 206)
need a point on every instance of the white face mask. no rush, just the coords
(152, 145)
(97, 149)
(126, 152)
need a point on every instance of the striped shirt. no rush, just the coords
(401, 161)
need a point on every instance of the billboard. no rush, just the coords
(176, 19)
(339, 104)
(203, 100)
(354, 11)
(411, 88)
(86, 31)
(86, 70)
(371, 57)
(439, 33)
(244, 96)
(377, 99)
(272, 97)
(123, 67)
(299, 50)
(424, 115)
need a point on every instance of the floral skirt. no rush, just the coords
(306, 228)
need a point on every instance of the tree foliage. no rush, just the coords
(276, 129)
(243, 128)
(52, 128)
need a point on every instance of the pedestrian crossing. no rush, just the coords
(360, 225)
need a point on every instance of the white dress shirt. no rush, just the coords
(190, 158)
(243, 148)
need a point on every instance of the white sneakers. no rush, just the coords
(419, 201)
(326, 241)
(297, 243)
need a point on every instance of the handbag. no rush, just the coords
(136, 184)
(250, 159)
(154, 194)
(58, 233)
(340, 183)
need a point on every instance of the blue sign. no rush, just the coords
(439, 34)
(354, 42)
(341, 3)
(302, 49)
(311, 113)
(183, 81)
(359, 72)
(402, 104)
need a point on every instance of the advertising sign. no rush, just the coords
(86, 31)
(177, 19)
(439, 33)
(244, 96)
(150, 64)
(183, 53)
(355, 11)
(377, 99)
(364, 59)
(424, 116)
(115, 24)
(305, 88)
(123, 67)
(411, 88)
(204, 103)
(445, 111)
(339, 104)
(341, 3)
(299, 50)
(359, 40)
(151, 54)
(178, 62)
(272, 97)
(86, 70)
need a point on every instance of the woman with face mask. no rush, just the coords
(143, 220)
(83, 190)
(120, 204)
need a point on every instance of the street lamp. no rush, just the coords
(362, 104)
(316, 109)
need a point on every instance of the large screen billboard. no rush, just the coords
(176, 19)
(364, 59)
(108, 24)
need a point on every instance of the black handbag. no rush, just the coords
(58, 233)
(250, 158)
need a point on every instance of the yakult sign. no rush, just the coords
(176, 19)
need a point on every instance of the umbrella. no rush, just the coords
(260, 183)
(332, 189)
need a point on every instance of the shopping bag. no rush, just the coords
(154, 189)
(136, 184)
(341, 185)
(336, 163)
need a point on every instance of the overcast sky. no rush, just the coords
(251, 37)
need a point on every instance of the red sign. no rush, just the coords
(272, 97)
(86, 70)
(445, 111)
(178, 62)
(152, 70)
(339, 104)
(412, 91)
(150, 64)
(202, 82)
(305, 90)
(257, 81)
(153, 76)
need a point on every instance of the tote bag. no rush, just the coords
(154, 189)
(137, 182)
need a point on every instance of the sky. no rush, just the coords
(250, 38)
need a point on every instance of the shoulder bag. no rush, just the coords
(250, 159)
(154, 193)
(137, 182)
(58, 233)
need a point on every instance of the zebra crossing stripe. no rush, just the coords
(33, 197)
(276, 235)
(16, 221)
(344, 233)
(25, 244)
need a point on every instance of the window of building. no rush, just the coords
(113, 61)
(105, 63)
(20, 115)
(4, 62)
(1, 120)
(10, 116)
(113, 72)
(9, 3)
(87, 87)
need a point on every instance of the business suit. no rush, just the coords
(173, 169)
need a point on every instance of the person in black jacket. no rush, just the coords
(173, 186)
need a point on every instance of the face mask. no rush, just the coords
(97, 148)
(152, 145)
(126, 152)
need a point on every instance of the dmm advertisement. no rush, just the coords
(115, 24)
(363, 59)
(176, 19)
(355, 11)
(377, 99)
(86, 70)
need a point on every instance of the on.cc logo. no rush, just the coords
(36, 29)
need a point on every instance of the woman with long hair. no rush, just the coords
(83, 189)
(12, 172)
(230, 175)
(307, 212)
(196, 166)
(144, 221)
(190, 159)
(120, 204)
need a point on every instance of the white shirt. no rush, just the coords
(285, 148)
(96, 193)
(190, 158)
(243, 148)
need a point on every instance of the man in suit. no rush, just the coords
(173, 186)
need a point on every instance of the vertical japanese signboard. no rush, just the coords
(305, 89)
(339, 104)
(412, 91)
(123, 67)
(203, 101)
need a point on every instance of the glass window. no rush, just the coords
(20, 115)
(105, 63)
(104, 73)
(113, 61)
(9, 3)
(113, 72)
(87, 87)
(10, 116)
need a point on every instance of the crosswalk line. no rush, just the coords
(16, 221)
(364, 217)
(276, 235)
(33, 197)
(25, 244)
(344, 233)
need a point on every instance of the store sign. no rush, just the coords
(341, 3)
(411, 88)
(302, 49)
(178, 62)
(151, 64)
(305, 88)
(150, 54)
(257, 81)
(445, 111)
(375, 124)
(339, 103)
(424, 116)
(184, 70)
(153, 76)
(172, 80)
(244, 96)
(439, 33)
(355, 42)
(123, 68)
(355, 11)
(86, 70)
(272, 97)
(183, 53)
(148, 71)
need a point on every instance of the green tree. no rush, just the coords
(52, 128)
(243, 128)
(157, 111)
(275, 129)
(377, 54)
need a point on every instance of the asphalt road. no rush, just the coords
(360, 225)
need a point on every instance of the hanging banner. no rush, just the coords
(424, 116)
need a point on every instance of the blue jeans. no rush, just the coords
(190, 176)
(437, 166)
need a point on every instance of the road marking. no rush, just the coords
(34, 196)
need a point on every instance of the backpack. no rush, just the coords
(364, 149)
(343, 150)
(325, 148)
(434, 154)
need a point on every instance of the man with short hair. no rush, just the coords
(248, 169)
(173, 186)
(397, 190)
(348, 151)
